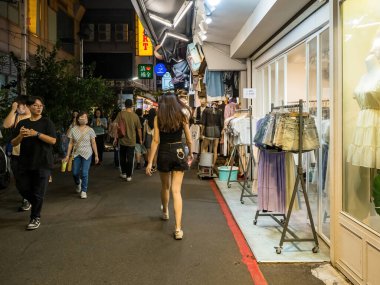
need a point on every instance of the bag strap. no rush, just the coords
(80, 139)
(15, 122)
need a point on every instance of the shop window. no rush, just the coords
(34, 16)
(361, 110)
(296, 74)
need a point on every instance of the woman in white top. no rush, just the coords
(82, 143)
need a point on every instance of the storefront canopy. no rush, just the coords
(218, 58)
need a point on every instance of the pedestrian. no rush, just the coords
(82, 145)
(148, 136)
(170, 122)
(99, 124)
(112, 131)
(18, 112)
(140, 149)
(128, 142)
(37, 136)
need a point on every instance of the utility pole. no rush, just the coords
(24, 46)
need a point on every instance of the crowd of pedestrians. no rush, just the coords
(152, 142)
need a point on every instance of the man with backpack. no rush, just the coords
(18, 112)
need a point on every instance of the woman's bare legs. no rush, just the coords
(177, 177)
(165, 190)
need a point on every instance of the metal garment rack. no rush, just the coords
(299, 179)
(245, 191)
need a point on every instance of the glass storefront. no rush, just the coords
(361, 110)
(303, 73)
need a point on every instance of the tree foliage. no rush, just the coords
(56, 81)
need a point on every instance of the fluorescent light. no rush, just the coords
(135, 78)
(208, 20)
(163, 40)
(202, 36)
(213, 2)
(182, 12)
(178, 36)
(160, 20)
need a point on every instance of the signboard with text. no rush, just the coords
(143, 42)
(145, 71)
(249, 93)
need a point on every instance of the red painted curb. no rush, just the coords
(247, 256)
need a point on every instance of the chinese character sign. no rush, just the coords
(144, 45)
(145, 71)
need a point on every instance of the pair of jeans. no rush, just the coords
(33, 184)
(127, 156)
(81, 167)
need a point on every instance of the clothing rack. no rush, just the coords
(246, 191)
(299, 179)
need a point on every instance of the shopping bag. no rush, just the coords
(70, 163)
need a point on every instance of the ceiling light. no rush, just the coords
(160, 20)
(178, 36)
(163, 40)
(182, 12)
(202, 36)
(208, 20)
(213, 2)
(174, 35)
(135, 78)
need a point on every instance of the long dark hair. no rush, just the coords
(171, 113)
(151, 116)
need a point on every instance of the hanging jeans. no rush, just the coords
(127, 155)
(81, 167)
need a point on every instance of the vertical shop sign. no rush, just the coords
(143, 42)
(145, 71)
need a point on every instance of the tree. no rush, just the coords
(56, 81)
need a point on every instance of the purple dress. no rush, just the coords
(271, 181)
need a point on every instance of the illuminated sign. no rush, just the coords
(160, 69)
(145, 71)
(143, 43)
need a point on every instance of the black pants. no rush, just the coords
(127, 155)
(33, 185)
(100, 146)
(15, 171)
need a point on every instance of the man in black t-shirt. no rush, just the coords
(37, 137)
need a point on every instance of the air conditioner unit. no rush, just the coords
(121, 32)
(104, 32)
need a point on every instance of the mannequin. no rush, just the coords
(199, 111)
(362, 151)
(212, 126)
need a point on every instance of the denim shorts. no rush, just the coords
(172, 157)
(290, 138)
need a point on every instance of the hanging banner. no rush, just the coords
(143, 43)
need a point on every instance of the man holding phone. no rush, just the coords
(19, 111)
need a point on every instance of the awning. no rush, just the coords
(218, 58)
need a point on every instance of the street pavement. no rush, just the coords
(116, 236)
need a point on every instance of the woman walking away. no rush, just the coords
(99, 124)
(171, 161)
(148, 136)
(37, 136)
(82, 144)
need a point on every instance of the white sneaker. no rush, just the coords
(83, 195)
(129, 179)
(79, 186)
(124, 176)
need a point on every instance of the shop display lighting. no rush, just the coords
(202, 36)
(174, 35)
(160, 20)
(182, 12)
(213, 3)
